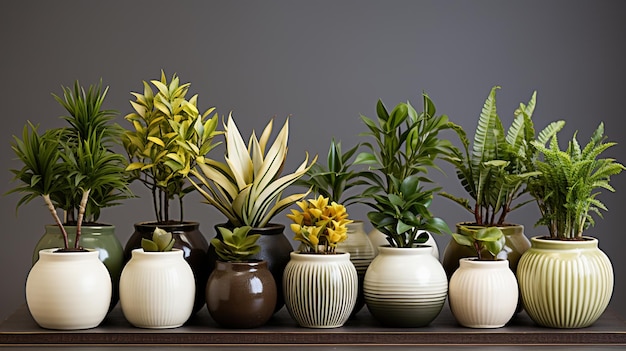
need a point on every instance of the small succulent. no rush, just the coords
(490, 239)
(236, 245)
(161, 241)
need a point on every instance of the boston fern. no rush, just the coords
(406, 146)
(567, 188)
(496, 169)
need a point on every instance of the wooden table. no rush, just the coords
(21, 330)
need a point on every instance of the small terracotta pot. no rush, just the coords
(241, 294)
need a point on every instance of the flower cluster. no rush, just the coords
(320, 226)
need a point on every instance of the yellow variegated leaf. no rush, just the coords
(265, 136)
(134, 166)
(157, 141)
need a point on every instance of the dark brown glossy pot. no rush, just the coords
(275, 250)
(241, 294)
(190, 240)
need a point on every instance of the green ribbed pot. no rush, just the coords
(565, 284)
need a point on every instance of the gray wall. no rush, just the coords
(323, 63)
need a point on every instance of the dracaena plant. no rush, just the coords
(168, 130)
(247, 188)
(237, 245)
(406, 145)
(485, 239)
(497, 168)
(570, 181)
(319, 225)
(335, 179)
(74, 168)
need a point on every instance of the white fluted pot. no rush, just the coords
(68, 290)
(157, 289)
(379, 239)
(362, 252)
(565, 284)
(483, 294)
(405, 287)
(320, 289)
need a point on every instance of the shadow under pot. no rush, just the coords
(275, 250)
(187, 238)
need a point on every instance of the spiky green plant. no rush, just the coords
(161, 241)
(406, 145)
(73, 168)
(236, 245)
(168, 133)
(490, 239)
(248, 187)
(496, 169)
(568, 186)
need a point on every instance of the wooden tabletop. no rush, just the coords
(21, 329)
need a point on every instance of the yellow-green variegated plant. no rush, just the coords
(247, 188)
(168, 132)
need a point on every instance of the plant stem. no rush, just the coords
(81, 213)
(46, 198)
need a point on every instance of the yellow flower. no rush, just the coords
(320, 203)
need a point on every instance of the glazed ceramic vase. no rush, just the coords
(362, 252)
(275, 250)
(187, 238)
(483, 294)
(241, 294)
(157, 289)
(379, 239)
(565, 283)
(98, 237)
(516, 244)
(320, 289)
(68, 290)
(405, 287)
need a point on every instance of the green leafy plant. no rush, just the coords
(406, 145)
(489, 239)
(568, 186)
(161, 241)
(168, 133)
(73, 168)
(497, 168)
(236, 245)
(248, 187)
(320, 226)
(334, 179)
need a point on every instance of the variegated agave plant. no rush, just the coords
(248, 187)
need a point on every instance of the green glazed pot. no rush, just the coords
(565, 284)
(101, 238)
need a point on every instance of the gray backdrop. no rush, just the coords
(324, 63)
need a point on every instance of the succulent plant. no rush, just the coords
(236, 245)
(161, 241)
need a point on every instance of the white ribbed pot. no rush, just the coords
(379, 239)
(483, 294)
(68, 290)
(405, 287)
(157, 289)
(320, 289)
(565, 283)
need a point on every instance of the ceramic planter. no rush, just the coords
(157, 289)
(320, 289)
(98, 237)
(275, 250)
(565, 284)
(189, 239)
(516, 244)
(362, 252)
(241, 294)
(69, 290)
(379, 239)
(483, 294)
(405, 287)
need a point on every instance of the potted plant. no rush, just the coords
(337, 181)
(247, 189)
(567, 262)
(494, 172)
(157, 286)
(320, 283)
(166, 124)
(74, 169)
(483, 292)
(241, 292)
(406, 146)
